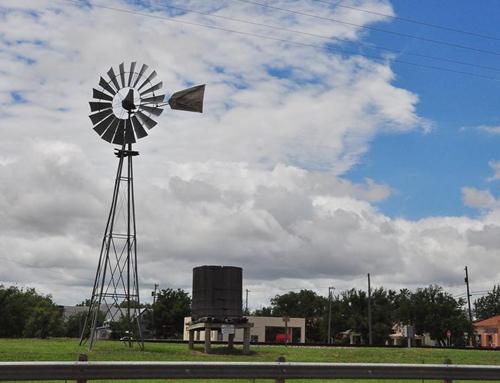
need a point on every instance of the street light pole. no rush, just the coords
(153, 293)
(472, 338)
(370, 337)
(330, 289)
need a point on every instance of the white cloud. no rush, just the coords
(490, 129)
(495, 166)
(482, 199)
(255, 181)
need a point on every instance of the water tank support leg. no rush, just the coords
(191, 339)
(208, 336)
(246, 340)
(230, 341)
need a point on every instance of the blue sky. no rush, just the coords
(428, 170)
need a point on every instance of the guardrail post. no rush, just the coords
(447, 361)
(281, 359)
(82, 358)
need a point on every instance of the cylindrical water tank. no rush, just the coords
(217, 293)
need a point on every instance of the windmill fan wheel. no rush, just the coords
(126, 103)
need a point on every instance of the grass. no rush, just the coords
(68, 350)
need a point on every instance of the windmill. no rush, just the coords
(123, 109)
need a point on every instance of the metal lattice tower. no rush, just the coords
(122, 107)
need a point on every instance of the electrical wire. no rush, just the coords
(267, 37)
(329, 38)
(408, 20)
(434, 41)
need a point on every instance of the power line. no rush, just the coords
(413, 21)
(266, 37)
(329, 38)
(434, 41)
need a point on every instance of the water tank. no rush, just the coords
(217, 294)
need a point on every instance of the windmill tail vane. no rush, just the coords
(124, 108)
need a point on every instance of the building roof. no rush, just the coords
(493, 321)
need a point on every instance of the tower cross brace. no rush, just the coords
(115, 295)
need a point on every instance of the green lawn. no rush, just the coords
(68, 350)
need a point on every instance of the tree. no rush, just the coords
(24, 312)
(489, 305)
(169, 310)
(434, 311)
(45, 320)
(265, 311)
(350, 311)
(86, 303)
(306, 304)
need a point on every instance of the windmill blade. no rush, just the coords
(151, 109)
(131, 73)
(139, 130)
(129, 133)
(149, 122)
(110, 132)
(112, 77)
(101, 127)
(141, 72)
(96, 117)
(150, 77)
(105, 85)
(152, 89)
(153, 99)
(96, 105)
(122, 74)
(101, 95)
(120, 132)
(190, 99)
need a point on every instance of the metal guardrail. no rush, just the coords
(240, 370)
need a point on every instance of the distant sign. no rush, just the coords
(227, 329)
(286, 319)
(448, 333)
(408, 331)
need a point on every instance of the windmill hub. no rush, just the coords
(128, 101)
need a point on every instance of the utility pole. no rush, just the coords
(153, 293)
(246, 301)
(330, 290)
(468, 301)
(370, 337)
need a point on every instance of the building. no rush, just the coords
(265, 329)
(398, 337)
(487, 332)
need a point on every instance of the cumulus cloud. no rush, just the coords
(256, 181)
(491, 129)
(495, 166)
(482, 199)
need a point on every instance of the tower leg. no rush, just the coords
(115, 302)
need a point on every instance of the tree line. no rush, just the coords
(429, 310)
(26, 313)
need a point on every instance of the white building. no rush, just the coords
(265, 329)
